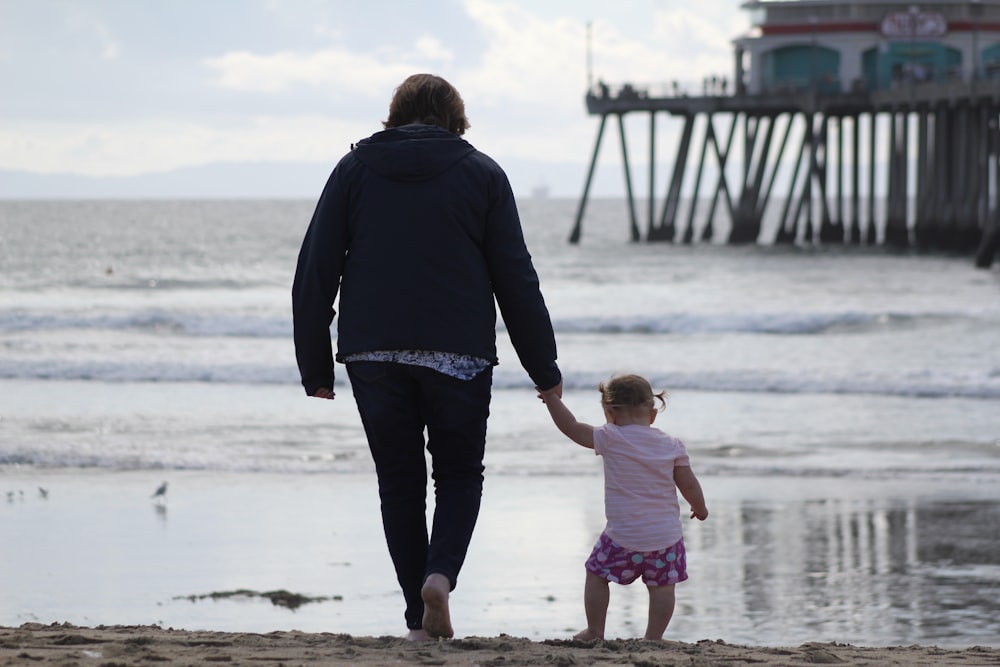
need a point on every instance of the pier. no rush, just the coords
(871, 123)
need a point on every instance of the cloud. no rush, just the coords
(158, 144)
(94, 33)
(432, 50)
(248, 72)
(527, 60)
(109, 47)
(338, 68)
(302, 83)
(523, 92)
(699, 41)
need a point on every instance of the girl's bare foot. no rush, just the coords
(587, 635)
(437, 619)
(417, 636)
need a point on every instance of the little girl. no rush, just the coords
(643, 469)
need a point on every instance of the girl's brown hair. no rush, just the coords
(630, 391)
(430, 100)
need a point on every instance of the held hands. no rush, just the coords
(325, 392)
(554, 392)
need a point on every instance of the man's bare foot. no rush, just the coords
(437, 620)
(587, 635)
(417, 636)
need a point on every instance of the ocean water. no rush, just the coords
(841, 406)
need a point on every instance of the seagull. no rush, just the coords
(43, 492)
(160, 492)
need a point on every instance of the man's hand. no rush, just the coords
(555, 391)
(325, 392)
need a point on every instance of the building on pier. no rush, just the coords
(871, 122)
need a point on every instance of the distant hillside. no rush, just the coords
(222, 180)
(281, 180)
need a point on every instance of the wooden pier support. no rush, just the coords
(917, 167)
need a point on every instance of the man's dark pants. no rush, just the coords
(397, 402)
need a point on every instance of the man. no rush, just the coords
(419, 234)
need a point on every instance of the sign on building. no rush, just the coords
(913, 25)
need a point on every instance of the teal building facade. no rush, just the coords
(841, 47)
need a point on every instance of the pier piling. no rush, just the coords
(854, 123)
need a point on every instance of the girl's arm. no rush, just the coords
(580, 433)
(690, 488)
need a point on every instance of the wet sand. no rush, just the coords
(781, 562)
(142, 645)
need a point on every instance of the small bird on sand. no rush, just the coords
(43, 492)
(161, 491)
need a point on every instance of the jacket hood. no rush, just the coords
(412, 152)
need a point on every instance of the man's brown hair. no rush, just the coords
(430, 100)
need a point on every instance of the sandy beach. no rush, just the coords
(63, 644)
(99, 552)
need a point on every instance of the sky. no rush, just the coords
(116, 90)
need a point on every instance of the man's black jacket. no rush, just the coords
(418, 232)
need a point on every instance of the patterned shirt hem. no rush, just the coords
(460, 366)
